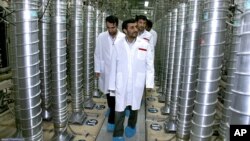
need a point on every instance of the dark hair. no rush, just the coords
(140, 17)
(149, 23)
(126, 22)
(112, 19)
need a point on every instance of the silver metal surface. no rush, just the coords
(76, 62)
(209, 70)
(58, 65)
(158, 61)
(98, 30)
(98, 22)
(96, 92)
(45, 68)
(104, 15)
(231, 67)
(160, 56)
(240, 91)
(14, 66)
(88, 53)
(166, 58)
(178, 54)
(27, 69)
(171, 58)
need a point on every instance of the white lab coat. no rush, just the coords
(147, 36)
(133, 62)
(154, 34)
(102, 56)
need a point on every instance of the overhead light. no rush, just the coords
(145, 12)
(146, 3)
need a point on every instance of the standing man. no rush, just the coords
(143, 33)
(105, 45)
(152, 31)
(132, 67)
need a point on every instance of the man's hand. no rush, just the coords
(97, 74)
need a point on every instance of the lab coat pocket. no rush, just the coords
(141, 54)
(119, 81)
(140, 80)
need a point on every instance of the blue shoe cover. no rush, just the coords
(130, 132)
(110, 127)
(127, 112)
(118, 139)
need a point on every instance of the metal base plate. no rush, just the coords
(182, 136)
(97, 94)
(62, 136)
(89, 104)
(46, 114)
(170, 126)
(18, 133)
(77, 118)
(159, 90)
(161, 98)
(165, 110)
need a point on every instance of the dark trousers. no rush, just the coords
(119, 120)
(111, 105)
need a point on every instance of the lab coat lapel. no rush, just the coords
(127, 48)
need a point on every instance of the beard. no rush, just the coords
(113, 33)
(133, 35)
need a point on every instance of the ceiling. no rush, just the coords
(128, 8)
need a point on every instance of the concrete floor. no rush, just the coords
(98, 132)
(139, 136)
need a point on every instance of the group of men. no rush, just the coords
(124, 64)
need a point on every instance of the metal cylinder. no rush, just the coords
(162, 56)
(98, 30)
(176, 81)
(76, 62)
(210, 62)
(104, 15)
(88, 60)
(189, 66)
(98, 22)
(45, 68)
(158, 53)
(231, 67)
(240, 91)
(171, 62)
(165, 109)
(13, 63)
(159, 58)
(27, 71)
(59, 68)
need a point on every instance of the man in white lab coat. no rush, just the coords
(152, 31)
(132, 67)
(143, 33)
(105, 45)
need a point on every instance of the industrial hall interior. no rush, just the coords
(124, 70)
